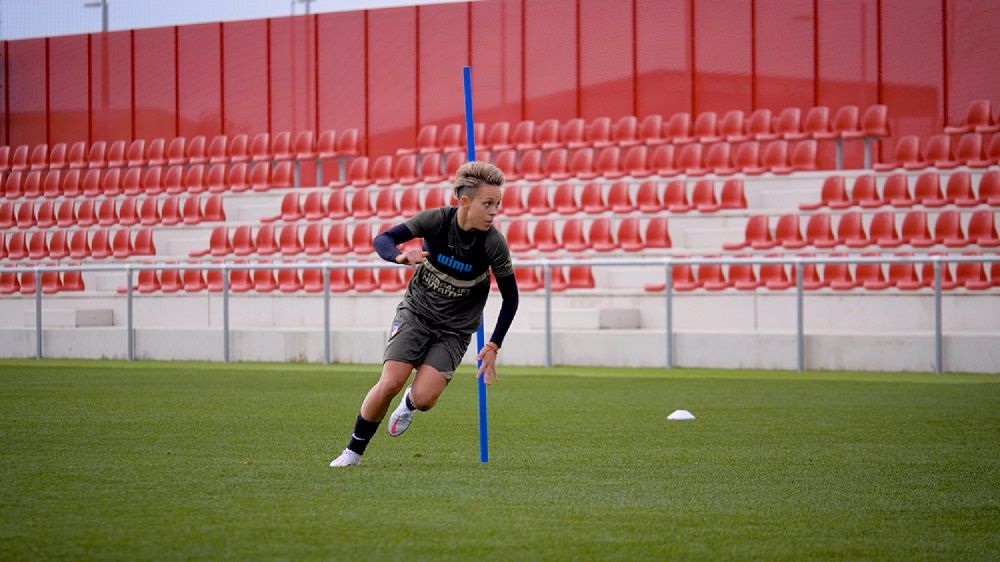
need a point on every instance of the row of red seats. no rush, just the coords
(882, 231)
(151, 181)
(573, 235)
(778, 157)
(978, 118)
(52, 282)
(836, 276)
(78, 244)
(130, 211)
(940, 152)
(198, 150)
(268, 280)
(542, 199)
(896, 192)
(706, 128)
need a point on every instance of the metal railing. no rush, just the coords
(667, 263)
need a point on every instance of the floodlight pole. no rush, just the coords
(103, 5)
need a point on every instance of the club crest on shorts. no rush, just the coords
(394, 329)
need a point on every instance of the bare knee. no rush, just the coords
(422, 399)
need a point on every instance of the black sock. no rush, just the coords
(409, 404)
(363, 432)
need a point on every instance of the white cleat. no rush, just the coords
(401, 417)
(347, 458)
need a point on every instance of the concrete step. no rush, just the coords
(588, 319)
(82, 318)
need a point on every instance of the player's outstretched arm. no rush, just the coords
(387, 246)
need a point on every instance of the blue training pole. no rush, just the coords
(470, 138)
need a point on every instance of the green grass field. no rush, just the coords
(179, 461)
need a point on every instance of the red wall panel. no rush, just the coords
(784, 69)
(444, 42)
(26, 91)
(199, 85)
(342, 71)
(912, 66)
(293, 74)
(245, 77)
(496, 60)
(663, 57)
(392, 83)
(722, 56)
(111, 86)
(550, 60)
(155, 83)
(606, 70)
(848, 54)
(68, 107)
(973, 64)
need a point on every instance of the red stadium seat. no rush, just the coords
(937, 153)
(651, 130)
(498, 137)
(732, 127)
(803, 158)
(86, 214)
(523, 137)
(927, 190)
(788, 125)
(572, 236)
(757, 235)
(819, 232)
(7, 215)
(833, 191)
(348, 143)
(971, 275)
(747, 159)
(759, 126)
(706, 128)
(788, 233)
(152, 181)
(882, 230)
(531, 165)
(194, 179)
(815, 125)
(385, 203)
(948, 230)
(538, 199)
(361, 239)
(264, 242)
(711, 276)
(851, 232)
(599, 133)
(775, 158)
(896, 192)
(195, 151)
(675, 197)
(361, 206)
(77, 157)
(70, 184)
(703, 197)
(907, 152)
(33, 185)
(657, 233)
(574, 133)
(121, 245)
(774, 276)
(983, 230)
(143, 245)
(648, 197)
(619, 200)
(742, 277)
(170, 213)
(564, 200)
(135, 156)
(517, 236)
(96, 156)
(260, 148)
(581, 164)
(661, 161)
(107, 213)
(544, 236)
(718, 159)
(959, 190)
(58, 247)
(45, 216)
(626, 131)
(290, 210)
(968, 151)
(156, 152)
(288, 240)
(128, 212)
(846, 124)
(52, 186)
(38, 248)
(875, 122)
(191, 210)
(409, 202)
(690, 160)
(634, 162)
(100, 245)
(173, 181)
(991, 157)
(978, 118)
(336, 239)
(678, 129)
(591, 199)
(12, 186)
(914, 230)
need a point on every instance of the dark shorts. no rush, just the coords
(414, 342)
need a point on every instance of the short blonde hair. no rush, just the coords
(473, 175)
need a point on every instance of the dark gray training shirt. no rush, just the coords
(450, 287)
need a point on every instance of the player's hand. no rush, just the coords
(487, 369)
(411, 257)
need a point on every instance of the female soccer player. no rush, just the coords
(443, 303)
